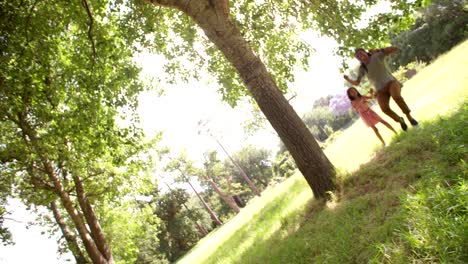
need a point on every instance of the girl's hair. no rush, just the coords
(349, 95)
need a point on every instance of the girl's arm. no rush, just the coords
(371, 93)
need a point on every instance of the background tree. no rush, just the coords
(218, 179)
(178, 233)
(236, 55)
(185, 171)
(204, 129)
(283, 166)
(256, 163)
(322, 120)
(440, 26)
(66, 74)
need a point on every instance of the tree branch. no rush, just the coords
(14, 220)
(91, 22)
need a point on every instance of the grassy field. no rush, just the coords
(406, 203)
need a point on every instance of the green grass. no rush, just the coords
(406, 203)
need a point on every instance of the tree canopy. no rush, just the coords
(69, 133)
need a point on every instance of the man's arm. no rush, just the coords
(386, 51)
(353, 82)
(361, 74)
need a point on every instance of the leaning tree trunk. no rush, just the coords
(201, 229)
(91, 219)
(210, 211)
(89, 243)
(68, 234)
(213, 18)
(226, 197)
(241, 171)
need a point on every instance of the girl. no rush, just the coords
(371, 118)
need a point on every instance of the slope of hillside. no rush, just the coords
(384, 209)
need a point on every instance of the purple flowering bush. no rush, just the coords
(339, 104)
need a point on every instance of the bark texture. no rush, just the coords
(68, 234)
(90, 243)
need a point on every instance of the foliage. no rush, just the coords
(265, 26)
(283, 165)
(271, 27)
(441, 26)
(256, 164)
(67, 81)
(5, 234)
(323, 120)
(126, 223)
(341, 21)
(178, 232)
(340, 104)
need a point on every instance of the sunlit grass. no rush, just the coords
(286, 225)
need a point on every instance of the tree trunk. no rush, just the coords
(68, 234)
(212, 17)
(96, 256)
(226, 198)
(242, 172)
(30, 136)
(91, 220)
(238, 201)
(201, 229)
(213, 215)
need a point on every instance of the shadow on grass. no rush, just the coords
(371, 211)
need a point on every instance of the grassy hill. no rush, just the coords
(406, 203)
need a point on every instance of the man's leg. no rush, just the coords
(394, 88)
(383, 98)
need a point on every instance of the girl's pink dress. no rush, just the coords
(367, 114)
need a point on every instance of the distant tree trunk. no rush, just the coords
(242, 172)
(226, 198)
(239, 201)
(213, 215)
(201, 229)
(213, 18)
(68, 234)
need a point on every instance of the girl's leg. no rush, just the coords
(385, 123)
(378, 134)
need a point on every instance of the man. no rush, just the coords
(385, 84)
